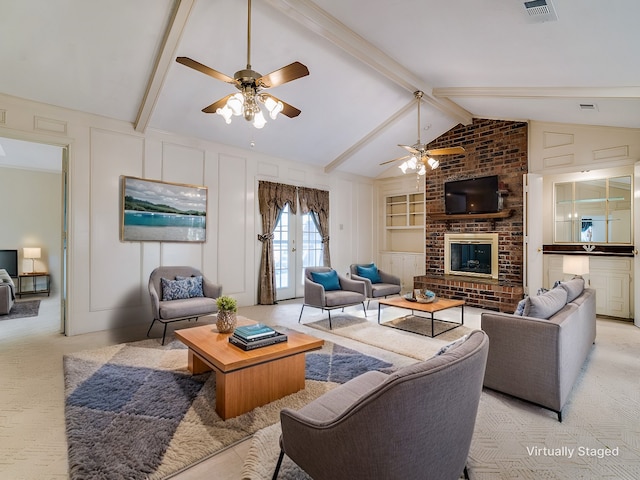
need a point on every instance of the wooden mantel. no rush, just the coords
(471, 216)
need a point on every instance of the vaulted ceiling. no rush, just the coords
(489, 59)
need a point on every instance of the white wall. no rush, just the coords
(107, 281)
(31, 216)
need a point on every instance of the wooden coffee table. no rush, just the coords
(436, 306)
(246, 380)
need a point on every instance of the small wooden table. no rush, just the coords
(435, 306)
(246, 380)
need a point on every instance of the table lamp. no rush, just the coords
(575, 264)
(32, 253)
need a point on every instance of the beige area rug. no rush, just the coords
(599, 437)
(368, 331)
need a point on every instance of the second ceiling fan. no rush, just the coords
(250, 83)
(419, 157)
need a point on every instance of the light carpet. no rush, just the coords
(367, 330)
(133, 410)
(23, 309)
(599, 437)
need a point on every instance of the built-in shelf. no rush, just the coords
(405, 211)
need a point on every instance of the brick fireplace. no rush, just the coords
(493, 147)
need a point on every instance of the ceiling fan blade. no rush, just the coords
(396, 159)
(219, 104)
(286, 74)
(410, 149)
(206, 70)
(288, 110)
(446, 151)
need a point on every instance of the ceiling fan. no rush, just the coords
(250, 83)
(419, 156)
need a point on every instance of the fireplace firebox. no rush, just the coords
(471, 254)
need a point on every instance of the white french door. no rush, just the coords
(296, 244)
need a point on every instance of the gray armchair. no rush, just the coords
(349, 292)
(388, 285)
(192, 307)
(415, 423)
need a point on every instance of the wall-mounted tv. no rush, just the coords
(474, 195)
(9, 262)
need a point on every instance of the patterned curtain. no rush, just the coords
(272, 198)
(317, 202)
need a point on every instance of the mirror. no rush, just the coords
(593, 211)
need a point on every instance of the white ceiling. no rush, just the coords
(366, 58)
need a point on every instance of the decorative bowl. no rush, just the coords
(409, 297)
(424, 295)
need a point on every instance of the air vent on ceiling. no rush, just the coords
(540, 11)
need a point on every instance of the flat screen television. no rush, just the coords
(474, 195)
(9, 262)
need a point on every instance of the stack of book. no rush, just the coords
(248, 337)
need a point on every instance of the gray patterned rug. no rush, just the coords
(599, 437)
(133, 411)
(23, 309)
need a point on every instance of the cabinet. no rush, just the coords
(405, 265)
(34, 283)
(610, 277)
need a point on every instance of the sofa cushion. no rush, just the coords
(370, 272)
(573, 288)
(329, 280)
(384, 289)
(338, 298)
(195, 285)
(187, 307)
(174, 289)
(545, 305)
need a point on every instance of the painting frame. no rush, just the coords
(159, 211)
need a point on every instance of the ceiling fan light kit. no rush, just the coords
(248, 101)
(420, 157)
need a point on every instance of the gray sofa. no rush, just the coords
(415, 423)
(539, 359)
(7, 292)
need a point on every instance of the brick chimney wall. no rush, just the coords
(493, 147)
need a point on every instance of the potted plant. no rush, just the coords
(227, 309)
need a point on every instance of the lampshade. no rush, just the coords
(31, 252)
(575, 264)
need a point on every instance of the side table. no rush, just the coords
(37, 287)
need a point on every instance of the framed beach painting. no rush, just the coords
(156, 211)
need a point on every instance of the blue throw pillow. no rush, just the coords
(195, 285)
(174, 289)
(329, 280)
(370, 272)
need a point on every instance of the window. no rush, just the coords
(281, 249)
(593, 211)
(311, 242)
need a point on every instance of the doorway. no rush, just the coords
(34, 176)
(297, 244)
